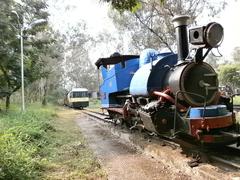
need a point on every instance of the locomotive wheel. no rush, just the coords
(163, 120)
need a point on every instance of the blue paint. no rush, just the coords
(210, 111)
(116, 79)
(147, 55)
(143, 79)
(151, 76)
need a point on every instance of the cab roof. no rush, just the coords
(114, 60)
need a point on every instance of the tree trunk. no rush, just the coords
(44, 101)
(7, 102)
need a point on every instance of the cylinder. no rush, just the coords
(180, 24)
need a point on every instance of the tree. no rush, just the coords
(236, 54)
(151, 25)
(230, 75)
(79, 69)
(212, 60)
(7, 50)
(122, 5)
(50, 79)
(10, 80)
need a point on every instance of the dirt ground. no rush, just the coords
(120, 159)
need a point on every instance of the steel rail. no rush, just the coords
(207, 155)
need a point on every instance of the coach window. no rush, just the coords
(84, 94)
(71, 95)
(76, 94)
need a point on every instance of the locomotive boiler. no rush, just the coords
(171, 94)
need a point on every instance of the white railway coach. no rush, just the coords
(77, 98)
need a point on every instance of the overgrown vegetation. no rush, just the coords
(94, 103)
(22, 137)
(69, 156)
(16, 17)
(39, 145)
(236, 100)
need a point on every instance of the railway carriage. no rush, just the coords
(77, 98)
(171, 94)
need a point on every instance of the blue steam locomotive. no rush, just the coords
(171, 94)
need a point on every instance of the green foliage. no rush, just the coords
(56, 96)
(22, 137)
(79, 70)
(136, 7)
(127, 5)
(67, 154)
(236, 55)
(122, 5)
(34, 146)
(230, 75)
(94, 103)
(212, 60)
(15, 16)
(236, 100)
(16, 158)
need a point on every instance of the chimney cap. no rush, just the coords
(180, 20)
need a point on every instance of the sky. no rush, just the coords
(230, 19)
(95, 13)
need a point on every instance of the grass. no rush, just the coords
(22, 136)
(236, 100)
(44, 143)
(69, 156)
(94, 104)
(238, 118)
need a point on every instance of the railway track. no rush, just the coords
(236, 108)
(226, 158)
(98, 115)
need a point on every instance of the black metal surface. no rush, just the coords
(114, 60)
(196, 35)
(182, 42)
(188, 78)
(80, 104)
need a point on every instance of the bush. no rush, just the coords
(22, 135)
(94, 103)
(16, 161)
(236, 100)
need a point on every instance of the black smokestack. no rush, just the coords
(180, 24)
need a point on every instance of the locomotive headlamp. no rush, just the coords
(209, 36)
(214, 34)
